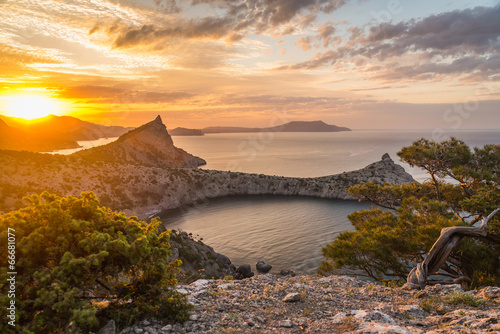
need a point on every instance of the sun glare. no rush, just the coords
(31, 107)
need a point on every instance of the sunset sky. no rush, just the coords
(362, 64)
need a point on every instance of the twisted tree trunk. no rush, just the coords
(450, 236)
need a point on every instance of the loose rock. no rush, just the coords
(291, 297)
(263, 267)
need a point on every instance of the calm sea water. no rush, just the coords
(86, 144)
(286, 232)
(312, 154)
(289, 232)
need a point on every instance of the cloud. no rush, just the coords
(15, 61)
(304, 43)
(104, 94)
(324, 37)
(448, 44)
(238, 18)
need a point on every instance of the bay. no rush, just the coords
(287, 232)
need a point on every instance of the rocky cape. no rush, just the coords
(148, 145)
(333, 304)
(139, 174)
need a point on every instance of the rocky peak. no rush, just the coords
(386, 157)
(148, 145)
(152, 131)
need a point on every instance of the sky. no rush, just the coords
(363, 64)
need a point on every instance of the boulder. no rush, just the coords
(223, 259)
(110, 328)
(287, 273)
(245, 271)
(263, 267)
(292, 297)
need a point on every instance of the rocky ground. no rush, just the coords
(334, 304)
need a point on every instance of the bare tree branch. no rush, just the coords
(438, 255)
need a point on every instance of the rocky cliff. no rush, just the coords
(148, 145)
(136, 175)
(146, 190)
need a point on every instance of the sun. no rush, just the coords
(31, 106)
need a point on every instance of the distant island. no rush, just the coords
(295, 126)
(185, 132)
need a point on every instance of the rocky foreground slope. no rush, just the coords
(334, 304)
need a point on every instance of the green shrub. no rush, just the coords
(460, 297)
(72, 256)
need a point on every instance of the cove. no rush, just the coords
(287, 232)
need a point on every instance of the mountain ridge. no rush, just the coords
(13, 138)
(51, 133)
(71, 127)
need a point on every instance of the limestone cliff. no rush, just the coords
(140, 175)
(146, 190)
(148, 145)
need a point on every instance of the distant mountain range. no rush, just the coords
(295, 126)
(19, 140)
(51, 133)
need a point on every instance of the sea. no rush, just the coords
(290, 232)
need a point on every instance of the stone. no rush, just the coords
(414, 311)
(339, 317)
(291, 297)
(200, 283)
(287, 273)
(373, 327)
(245, 271)
(223, 259)
(110, 328)
(263, 267)
(372, 316)
(286, 324)
(167, 328)
(260, 319)
(490, 292)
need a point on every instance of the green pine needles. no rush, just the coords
(79, 264)
(463, 187)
